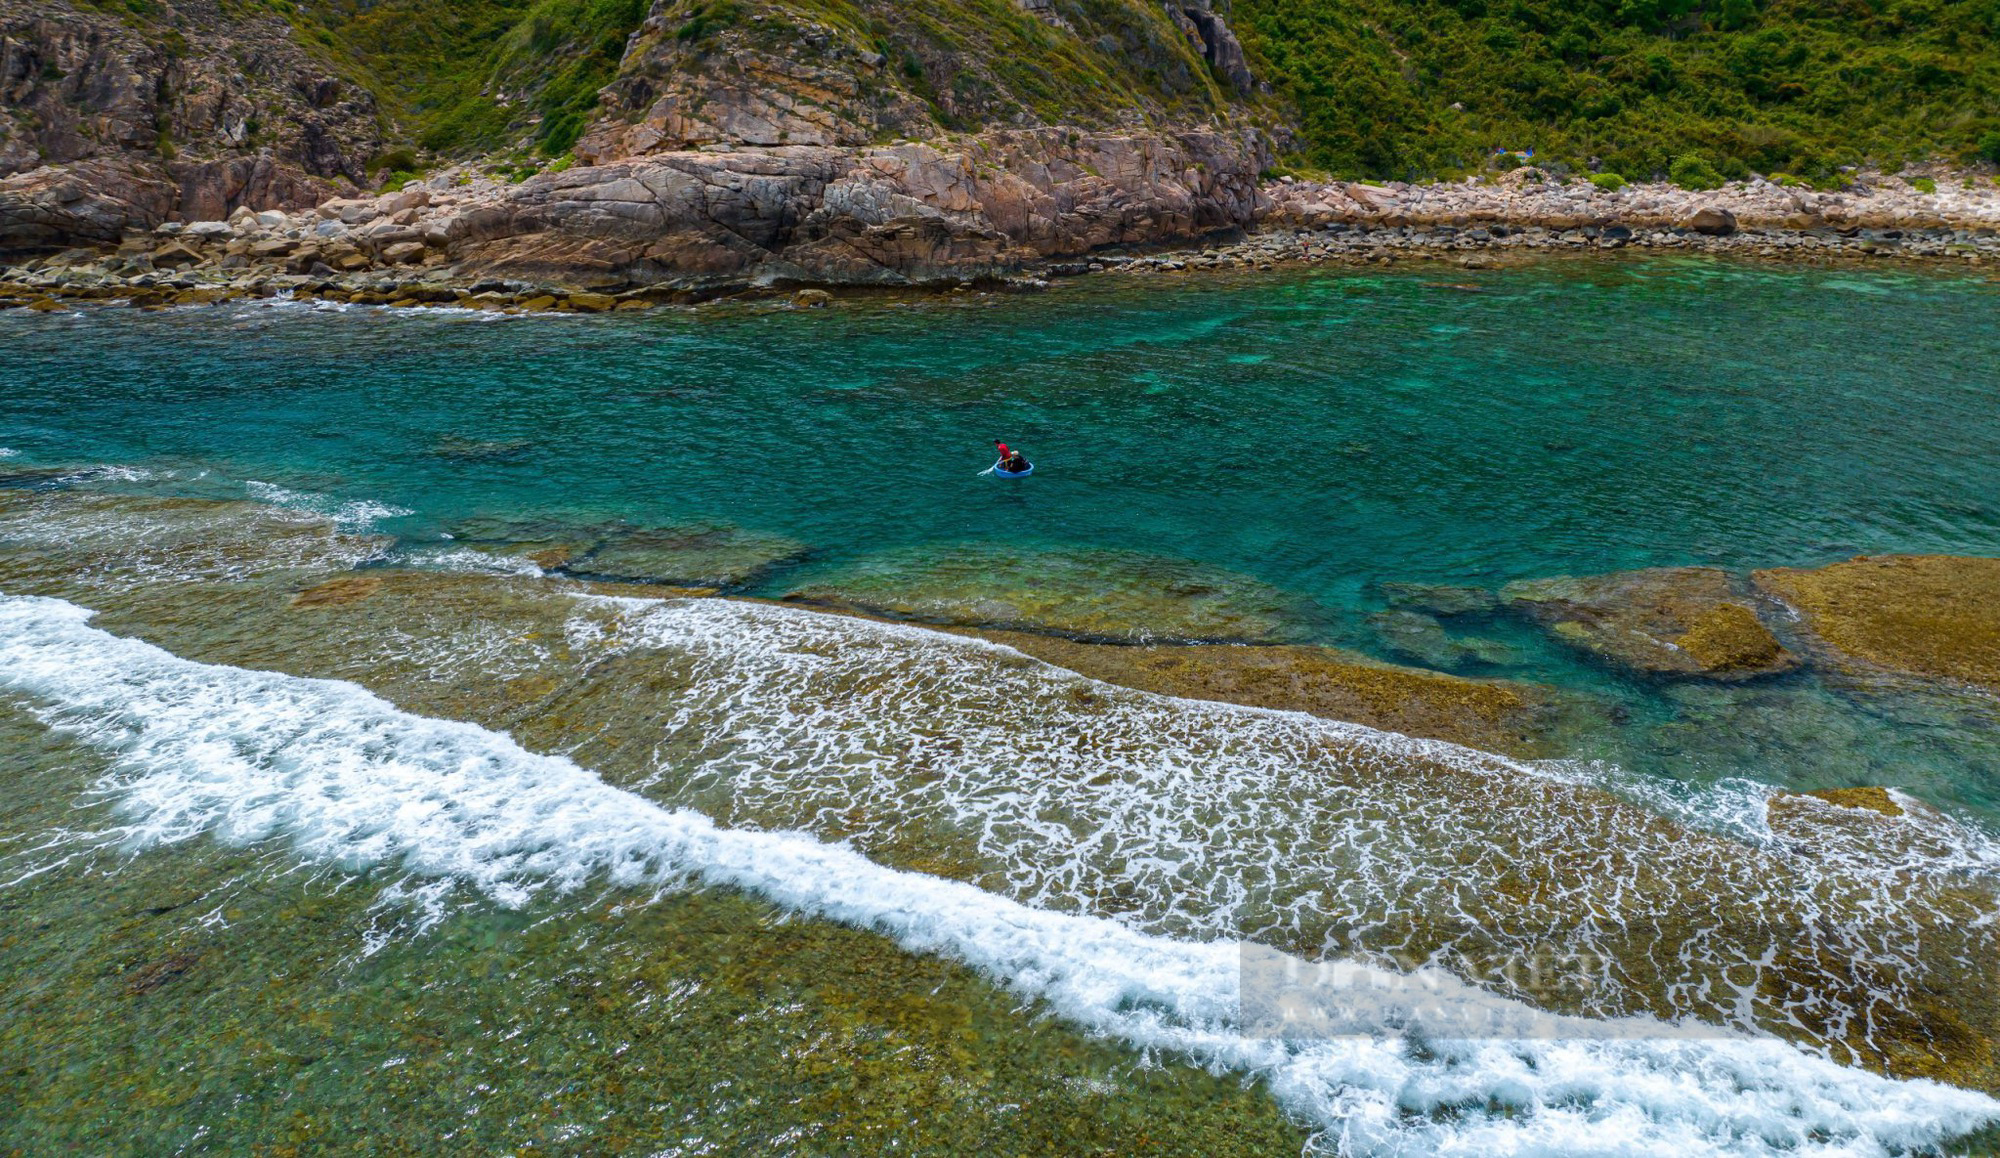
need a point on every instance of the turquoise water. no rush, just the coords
(1318, 432)
(1322, 433)
(466, 856)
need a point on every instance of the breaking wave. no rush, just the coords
(347, 779)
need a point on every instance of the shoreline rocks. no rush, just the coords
(999, 210)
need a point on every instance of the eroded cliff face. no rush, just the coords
(110, 121)
(77, 83)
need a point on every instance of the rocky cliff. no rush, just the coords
(733, 143)
(184, 112)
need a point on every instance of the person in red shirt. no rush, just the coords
(1010, 460)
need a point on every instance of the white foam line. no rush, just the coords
(348, 779)
(354, 517)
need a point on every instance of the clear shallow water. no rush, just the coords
(1151, 828)
(1343, 430)
(1338, 429)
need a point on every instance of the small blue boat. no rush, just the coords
(1003, 472)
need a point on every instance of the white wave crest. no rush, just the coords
(353, 516)
(348, 779)
(9, 452)
(468, 561)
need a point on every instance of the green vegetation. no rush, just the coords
(1692, 171)
(465, 76)
(1923, 184)
(1696, 91)
(1802, 86)
(1609, 182)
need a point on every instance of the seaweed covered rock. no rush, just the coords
(1108, 596)
(1665, 621)
(1933, 616)
(1504, 716)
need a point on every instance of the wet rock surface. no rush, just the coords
(1932, 616)
(1669, 621)
(1493, 715)
(1904, 986)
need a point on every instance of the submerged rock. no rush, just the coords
(1108, 596)
(1422, 639)
(333, 592)
(1933, 616)
(1441, 599)
(459, 449)
(699, 556)
(1667, 621)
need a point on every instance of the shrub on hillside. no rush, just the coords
(1609, 182)
(1692, 171)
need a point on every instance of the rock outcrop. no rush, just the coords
(1667, 621)
(889, 214)
(1932, 616)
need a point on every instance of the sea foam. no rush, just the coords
(347, 779)
(350, 516)
(1560, 884)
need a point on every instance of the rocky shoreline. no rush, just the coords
(459, 241)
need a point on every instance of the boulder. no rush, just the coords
(403, 252)
(209, 230)
(861, 213)
(95, 201)
(812, 298)
(1713, 221)
(1666, 621)
(591, 303)
(176, 254)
